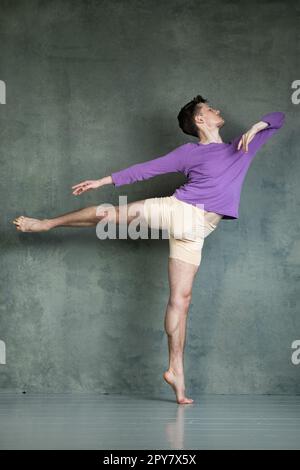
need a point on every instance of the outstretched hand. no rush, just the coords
(86, 186)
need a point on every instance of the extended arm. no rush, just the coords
(174, 161)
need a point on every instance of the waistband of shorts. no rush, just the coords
(203, 211)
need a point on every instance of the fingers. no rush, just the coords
(243, 143)
(81, 190)
(81, 187)
(80, 184)
(251, 137)
(78, 191)
(85, 186)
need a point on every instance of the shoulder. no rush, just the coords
(188, 145)
(184, 149)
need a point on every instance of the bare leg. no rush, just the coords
(181, 278)
(87, 217)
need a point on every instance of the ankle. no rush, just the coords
(48, 224)
(176, 370)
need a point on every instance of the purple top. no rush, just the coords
(215, 172)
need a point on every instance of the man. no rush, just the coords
(215, 171)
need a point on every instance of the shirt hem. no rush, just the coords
(225, 215)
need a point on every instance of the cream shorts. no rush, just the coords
(186, 225)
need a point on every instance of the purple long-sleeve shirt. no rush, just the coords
(215, 172)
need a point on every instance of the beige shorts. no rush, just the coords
(186, 226)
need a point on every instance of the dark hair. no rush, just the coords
(187, 114)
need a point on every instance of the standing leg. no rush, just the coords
(86, 217)
(181, 278)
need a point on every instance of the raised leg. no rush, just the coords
(181, 278)
(87, 217)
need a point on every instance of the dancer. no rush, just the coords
(215, 171)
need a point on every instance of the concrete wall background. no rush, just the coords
(93, 87)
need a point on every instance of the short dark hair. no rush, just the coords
(187, 115)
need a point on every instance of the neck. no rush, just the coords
(208, 136)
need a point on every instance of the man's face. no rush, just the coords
(209, 116)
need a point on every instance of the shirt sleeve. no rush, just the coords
(174, 161)
(275, 121)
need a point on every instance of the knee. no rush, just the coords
(181, 301)
(110, 214)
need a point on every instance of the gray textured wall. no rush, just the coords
(92, 87)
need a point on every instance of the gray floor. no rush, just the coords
(94, 421)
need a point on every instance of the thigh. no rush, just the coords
(181, 277)
(123, 214)
(155, 212)
(158, 212)
(210, 225)
(213, 218)
(186, 250)
(134, 210)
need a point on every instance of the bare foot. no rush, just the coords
(27, 224)
(176, 380)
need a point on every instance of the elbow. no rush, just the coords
(280, 119)
(275, 119)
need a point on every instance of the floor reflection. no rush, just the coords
(174, 430)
